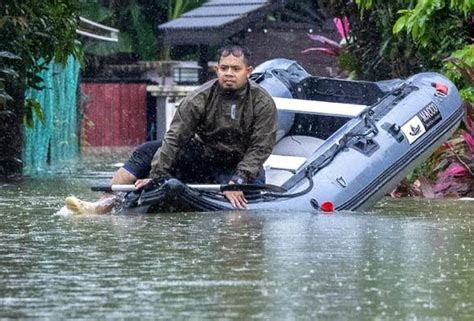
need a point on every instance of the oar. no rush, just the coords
(205, 187)
(252, 188)
(114, 188)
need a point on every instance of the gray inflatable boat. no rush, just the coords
(341, 145)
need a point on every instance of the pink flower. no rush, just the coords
(342, 26)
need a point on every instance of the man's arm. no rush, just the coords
(261, 143)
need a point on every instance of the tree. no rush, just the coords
(431, 25)
(32, 34)
(398, 38)
(137, 21)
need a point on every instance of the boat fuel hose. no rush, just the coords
(256, 195)
(308, 175)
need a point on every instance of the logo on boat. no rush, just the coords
(414, 130)
(421, 123)
(430, 115)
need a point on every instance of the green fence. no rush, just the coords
(52, 146)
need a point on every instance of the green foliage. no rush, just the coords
(33, 108)
(178, 7)
(364, 5)
(95, 11)
(137, 21)
(145, 37)
(32, 33)
(398, 38)
(6, 72)
(136, 33)
(431, 24)
(175, 8)
(459, 68)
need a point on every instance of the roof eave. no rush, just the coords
(216, 34)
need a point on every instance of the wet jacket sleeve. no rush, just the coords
(262, 140)
(182, 129)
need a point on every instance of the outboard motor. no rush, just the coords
(280, 78)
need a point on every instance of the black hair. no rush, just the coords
(235, 50)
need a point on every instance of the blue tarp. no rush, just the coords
(51, 144)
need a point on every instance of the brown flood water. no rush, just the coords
(405, 259)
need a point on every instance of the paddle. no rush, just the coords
(113, 188)
(252, 188)
(206, 187)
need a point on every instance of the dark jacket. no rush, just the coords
(237, 127)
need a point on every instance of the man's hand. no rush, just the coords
(236, 198)
(139, 183)
(157, 181)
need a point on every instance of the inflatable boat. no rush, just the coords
(341, 144)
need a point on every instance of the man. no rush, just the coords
(221, 133)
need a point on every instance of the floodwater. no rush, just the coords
(404, 260)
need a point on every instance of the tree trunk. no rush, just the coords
(11, 132)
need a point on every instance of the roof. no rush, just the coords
(216, 20)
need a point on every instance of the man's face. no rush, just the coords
(232, 72)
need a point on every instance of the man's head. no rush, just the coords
(233, 67)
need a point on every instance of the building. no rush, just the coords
(270, 29)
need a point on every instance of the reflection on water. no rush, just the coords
(407, 259)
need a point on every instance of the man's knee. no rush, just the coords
(123, 176)
(149, 148)
(139, 164)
